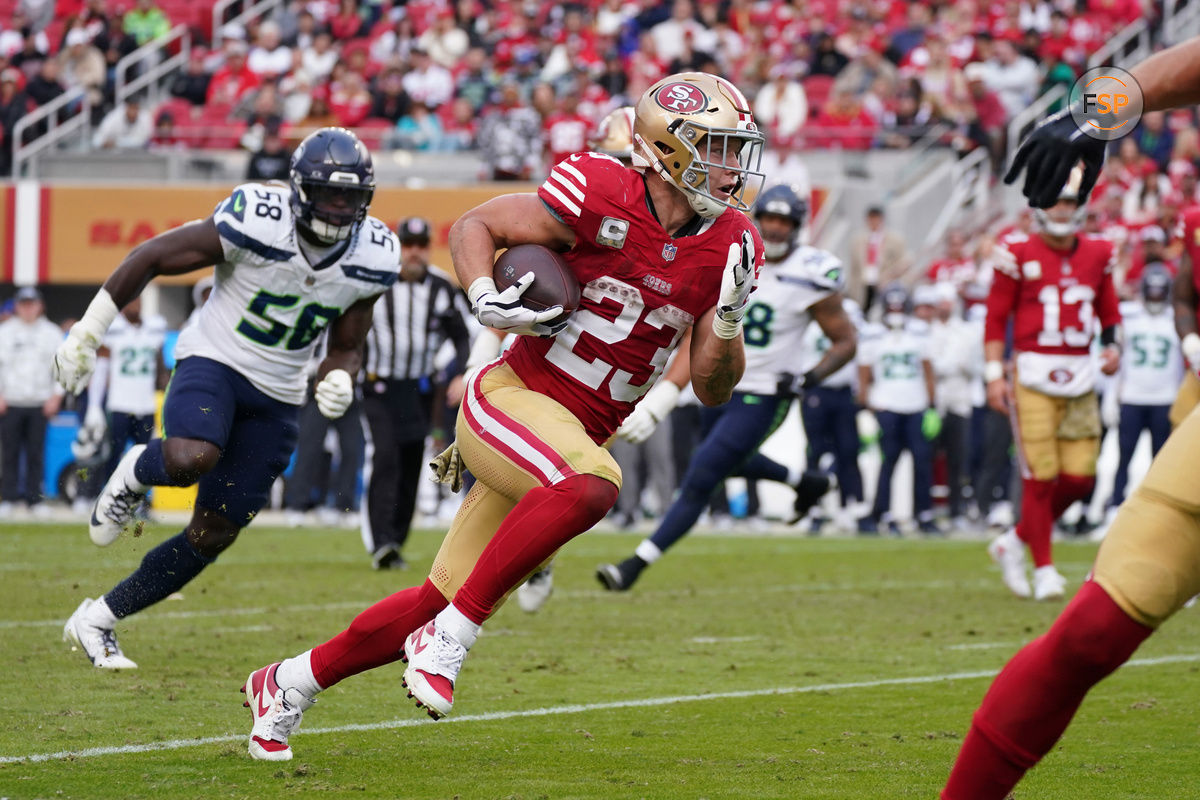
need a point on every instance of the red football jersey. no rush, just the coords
(641, 290)
(1053, 296)
(1191, 245)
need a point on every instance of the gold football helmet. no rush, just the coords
(691, 122)
(614, 135)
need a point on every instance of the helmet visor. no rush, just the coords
(725, 162)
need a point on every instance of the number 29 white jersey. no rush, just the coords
(778, 315)
(269, 304)
(133, 353)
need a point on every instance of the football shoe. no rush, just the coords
(434, 657)
(536, 590)
(1048, 583)
(99, 644)
(114, 509)
(276, 713)
(1008, 551)
(620, 577)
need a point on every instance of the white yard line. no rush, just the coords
(649, 702)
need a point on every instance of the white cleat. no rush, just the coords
(1008, 552)
(536, 590)
(99, 644)
(434, 658)
(114, 509)
(1048, 583)
(276, 713)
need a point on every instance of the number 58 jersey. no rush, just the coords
(641, 290)
(1054, 299)
(269, 304)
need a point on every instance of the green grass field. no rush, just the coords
(739, 667)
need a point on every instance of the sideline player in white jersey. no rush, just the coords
(290, 260)
(896, 381)
(121, 393)
(798, 284)
(1150, 373)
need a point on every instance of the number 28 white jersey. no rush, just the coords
(133, 352)
(778, 315)
(269, 304)
(1151, 364)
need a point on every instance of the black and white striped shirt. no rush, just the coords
(411, 321)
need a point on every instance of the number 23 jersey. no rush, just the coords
(641, 290)
(1054, 298)
(269, 304)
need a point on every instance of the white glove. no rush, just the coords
(737, 283)
(76, 356)
(1110, 409)
(654, 407)
(334, 393)
(89, 440)
(1191, 351)
(503, 310)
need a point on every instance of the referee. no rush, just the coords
(412, 320)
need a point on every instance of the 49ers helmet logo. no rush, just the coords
(681, 98)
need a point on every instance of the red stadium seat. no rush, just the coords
(817, 87)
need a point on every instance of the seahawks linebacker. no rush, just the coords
(290, 260)
(799, 284)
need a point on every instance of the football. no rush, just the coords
(553, 282)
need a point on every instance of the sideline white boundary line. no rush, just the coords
(649, 702)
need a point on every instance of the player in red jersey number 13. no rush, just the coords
(658, 248)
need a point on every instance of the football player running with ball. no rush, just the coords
(290, 260)
(657, 248)
(800, 284)
(1148, 566)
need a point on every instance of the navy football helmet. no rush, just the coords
(1156, 285)
(333, 181)
(781, 200)
(897, 305)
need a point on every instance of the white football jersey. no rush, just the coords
(1151, 364)
(816, 345)
(895, 357)
(133, 354)
(777, 317)
(269, 305)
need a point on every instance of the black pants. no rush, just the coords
(829, 423)
(1134, 420)
(397, 417)
(308, 476)
(991, 463)
(953, 442)
(22, 433)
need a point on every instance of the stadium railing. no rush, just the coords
(67, 115)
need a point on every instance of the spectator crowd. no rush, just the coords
(524, 81)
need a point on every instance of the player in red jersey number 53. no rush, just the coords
(657, 248)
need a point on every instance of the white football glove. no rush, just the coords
(653, 408)
(334, 393)
(737, 283)
(503, 310)
(1191, 351)
(89, 440)
(76, 356)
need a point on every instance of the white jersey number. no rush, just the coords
(1053, 307)
(596, 372)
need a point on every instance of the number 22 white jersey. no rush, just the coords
(778, 315)
(269, 305)
(1151, 364)
(133, 353)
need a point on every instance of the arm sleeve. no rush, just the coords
(1107, 304)
(1002, 299)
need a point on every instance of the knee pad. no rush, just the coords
(210, 540)
(592, 496)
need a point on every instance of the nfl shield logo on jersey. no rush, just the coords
(669, 251)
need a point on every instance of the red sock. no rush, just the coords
(376, 636)
(544, 520)
(1067, 490)
(1035, 526)
(1034, 697)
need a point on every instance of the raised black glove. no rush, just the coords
(1048, 155)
